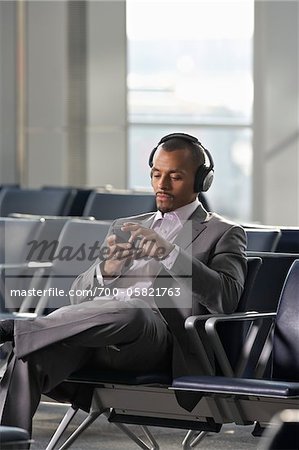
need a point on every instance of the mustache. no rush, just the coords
(163, 193)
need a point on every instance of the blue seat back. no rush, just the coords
(12, 438)
(289, 241)
(232, 335)
(74, 252)
(266, 291)
(78, 246)
(54, 202)
(15, 238)
(15, 234)
(79, 198)
(262, 240)
(285, 363)
(110, 206)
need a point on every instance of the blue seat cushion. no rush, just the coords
(237, 386)
(94, 376)
(13, 434)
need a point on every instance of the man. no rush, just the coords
(176, 262)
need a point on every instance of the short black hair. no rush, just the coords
(178, 143)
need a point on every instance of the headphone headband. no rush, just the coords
(205, 172)
(185, 136)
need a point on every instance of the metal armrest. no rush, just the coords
(256, 322)
(29, 265)
(200, 350)
(17, 315)
(36, 270)
(210, 324)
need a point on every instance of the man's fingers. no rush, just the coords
(111, 240)
(120, 253)
(133, 228)
(130, 226)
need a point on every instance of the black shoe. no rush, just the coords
(6, 330)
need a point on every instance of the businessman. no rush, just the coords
(158, 268)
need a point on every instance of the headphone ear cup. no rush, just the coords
(151, 157)
(203, 178)
(208, 180)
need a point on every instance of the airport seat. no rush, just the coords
(41, 248)
(289, 240)
(13, 438)
(110, 206)
(9, 185)
(80, 196)
(257, 399)
(15, 236)
(35, 201)
(263, 297)
(29, 244)
(262, 240)
(79, 202)
(232, 336)
(71, 254)
(142, 398)
(267, 288)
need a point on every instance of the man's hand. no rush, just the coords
(119, 254)
(146, 242)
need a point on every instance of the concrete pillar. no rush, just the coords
(106, 95)
(46, 93)
(8, 82)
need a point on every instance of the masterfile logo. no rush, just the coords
(51, 251)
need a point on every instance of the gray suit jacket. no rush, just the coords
(209, 271)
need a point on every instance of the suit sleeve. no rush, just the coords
(218, 282)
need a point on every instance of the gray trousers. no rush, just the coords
(106, 334)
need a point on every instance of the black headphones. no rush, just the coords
(205, 173)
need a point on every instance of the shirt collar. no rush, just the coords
(183, 213)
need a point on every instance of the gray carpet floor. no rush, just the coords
(105, 436)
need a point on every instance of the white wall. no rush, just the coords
(276, 118)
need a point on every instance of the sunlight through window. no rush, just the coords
(190, 69)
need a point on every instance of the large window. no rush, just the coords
(190, 70)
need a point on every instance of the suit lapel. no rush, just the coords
(192, 228)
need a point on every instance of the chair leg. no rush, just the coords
(151, 438)
(92, 416)
(191, 440)
(71, 412)
(152, 445)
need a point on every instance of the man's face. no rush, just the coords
(173, 178)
